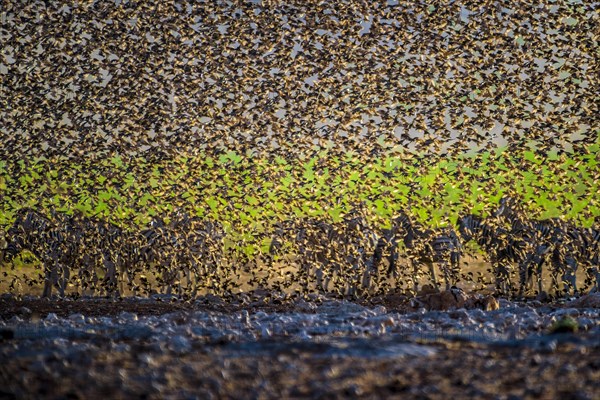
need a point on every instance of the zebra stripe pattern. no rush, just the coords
(34, 232)
(577, 246)
(534, 240)
(188, 253)
(337, 255)
(427, 246)
(540, 240)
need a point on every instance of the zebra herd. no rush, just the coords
(510, 239)
(188, 254)
(422, 246)
(182, 251)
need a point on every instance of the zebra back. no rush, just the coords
(31, 231)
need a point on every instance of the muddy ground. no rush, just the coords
(559, 365)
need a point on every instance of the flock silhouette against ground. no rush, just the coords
(189, 256)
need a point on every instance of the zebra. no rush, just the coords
(510, 212)
(561, 244)
(338, 253)
(99, 244)
(566, 247)
(533, 240)
(75, 250)
(199, 250)
(34, 232)
(497, 245)
(314, 245)
(185, 248)
(577, 246)
(118, 254)
(526, 243)
(540, 241)
(157, 246)
(423, 246)
(359, 243)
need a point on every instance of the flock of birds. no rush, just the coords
(187, 248)
(189, 255)
(92, 79)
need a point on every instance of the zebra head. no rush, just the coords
(503, 207)
(468, 226)
(508, 209)
(13, 244)
(402, 221)
(156, 223)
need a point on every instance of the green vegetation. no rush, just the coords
(564, 325)
(246, 193)
(250, 196)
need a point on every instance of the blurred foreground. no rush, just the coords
(268, 345)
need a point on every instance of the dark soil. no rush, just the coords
(40, 307)
(458, 369)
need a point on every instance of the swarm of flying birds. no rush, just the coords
(188, 256)
(97, 79)
(92, 256)
(123, 77)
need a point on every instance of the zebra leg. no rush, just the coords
(569, 276)
(497, 279)
(130, 270)
(171, 274)
(48, 280)
(370, 276)
(445, 269)
(509, 274)
(539, 266)
(186, 274)
(84, 273)
(51, 276)
(199, 271)
(350, 290)
(522, 278)
(304, 271)
(431, 267)
(108, 282)
(64, 279)
(190, 273)
(502, 279)
(179, 275)
(455, 269)
(554, 274)
(90, 278)
(525, 280)
(415, 276)
(321, 280)
(334, 269)
(393, 260)
(366, 280)
(593, 273)
(121, 273)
